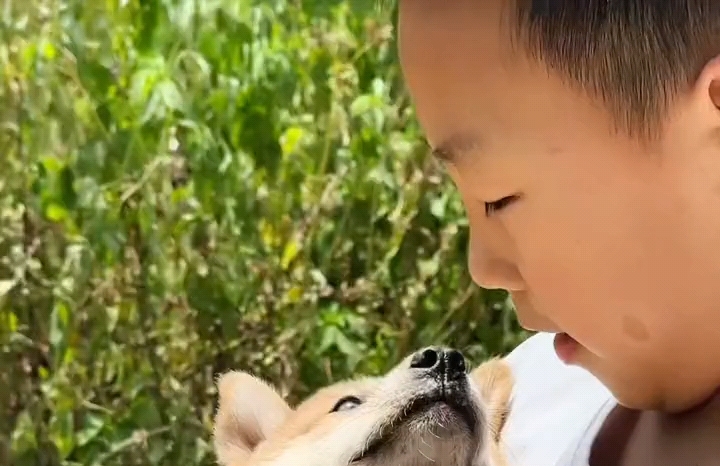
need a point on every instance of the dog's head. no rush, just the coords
(429, 410)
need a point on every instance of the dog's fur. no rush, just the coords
(254, 426)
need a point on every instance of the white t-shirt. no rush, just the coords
(557, 410)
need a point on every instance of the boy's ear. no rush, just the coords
(714, 92)
(708, 82)
(249, 411)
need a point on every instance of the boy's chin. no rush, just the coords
(633, 389)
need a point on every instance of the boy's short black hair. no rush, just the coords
(635, 55)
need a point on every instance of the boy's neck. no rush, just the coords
(633, 437)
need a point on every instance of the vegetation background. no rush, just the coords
(192, 186)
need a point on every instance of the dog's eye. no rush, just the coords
(345, 403)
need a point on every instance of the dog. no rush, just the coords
(427, 411)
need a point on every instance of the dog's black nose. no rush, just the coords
(448, 362)
(455, 362)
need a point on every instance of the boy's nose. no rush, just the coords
(492, 272)
(447, 362)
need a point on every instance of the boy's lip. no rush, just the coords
(529, 318)
(566, 347)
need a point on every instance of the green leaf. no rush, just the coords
(67, 188)
(56, 213)
(291, 140)
(362, 104)
(12, 322)
(329, 337)
(59, 319)
(6, 286)
(62, 432)
(290, 252)
(145, 413)
(171, 96)
(23, 437)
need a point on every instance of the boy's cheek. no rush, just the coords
(572, 296)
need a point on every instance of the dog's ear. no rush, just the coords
(249, 410)
(494, 379)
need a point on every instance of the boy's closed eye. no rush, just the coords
(497, 205)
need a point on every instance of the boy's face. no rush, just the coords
(613, 242)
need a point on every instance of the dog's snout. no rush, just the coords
(447, 362)
(455, 362)
(429, 358)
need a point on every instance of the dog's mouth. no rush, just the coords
(458, 403)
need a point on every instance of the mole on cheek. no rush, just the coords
(635, 329)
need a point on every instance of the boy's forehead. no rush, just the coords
(457, 41)
(457, 60)
(461, 27)
(440, 52)
(472, 87)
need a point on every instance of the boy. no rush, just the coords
(584, 138)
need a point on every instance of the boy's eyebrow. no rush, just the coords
(452, 148)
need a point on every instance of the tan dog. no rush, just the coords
(427, 411)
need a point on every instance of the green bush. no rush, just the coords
(192, 186)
